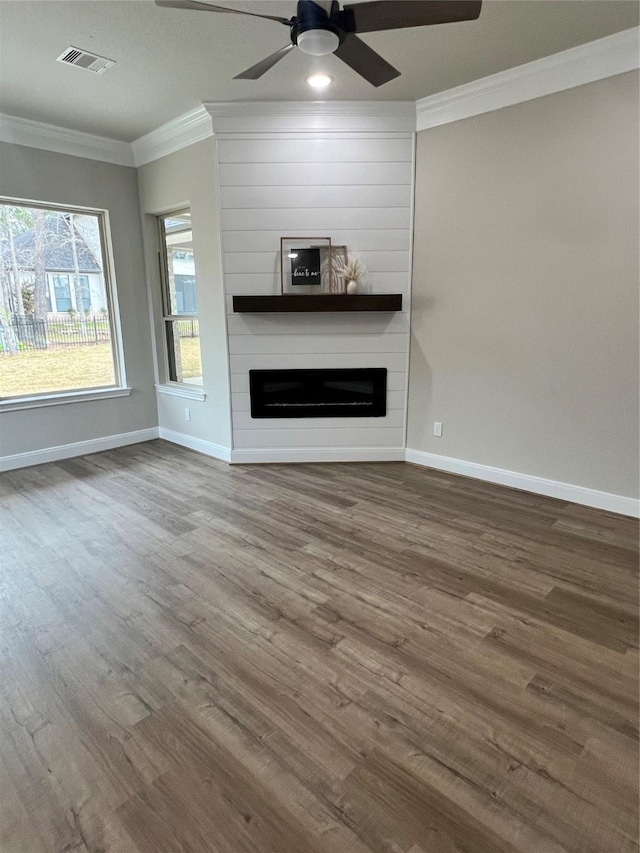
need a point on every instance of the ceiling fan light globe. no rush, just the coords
(318, 42)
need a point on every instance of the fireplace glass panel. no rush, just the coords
(348, 393)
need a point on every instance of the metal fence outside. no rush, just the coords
(31, 334)
(188, 328)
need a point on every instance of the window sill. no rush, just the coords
(17, 403)
(181, 391)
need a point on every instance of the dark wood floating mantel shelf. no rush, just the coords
(305, 303)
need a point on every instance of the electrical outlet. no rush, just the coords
(187, 414)
(437, 429)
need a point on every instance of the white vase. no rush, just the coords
(351, 286)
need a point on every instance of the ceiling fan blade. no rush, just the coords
(201, 6)
(365, 61)
(395, 14)
(262, 67)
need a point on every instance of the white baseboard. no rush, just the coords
(77, 448)
(528, 483)
(318, 454)
(198, 444)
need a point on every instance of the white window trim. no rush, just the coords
(14, 404)
(179, 390)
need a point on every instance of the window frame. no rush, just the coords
(119, 387)
(167, 383)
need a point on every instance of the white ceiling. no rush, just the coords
(170, 61)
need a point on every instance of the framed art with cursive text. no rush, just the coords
(305, 265)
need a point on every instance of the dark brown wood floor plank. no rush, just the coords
(338, 658)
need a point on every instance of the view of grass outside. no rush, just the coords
(68, 368)
(190, 361)
(56, 369)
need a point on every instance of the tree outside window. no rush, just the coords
(58, 331)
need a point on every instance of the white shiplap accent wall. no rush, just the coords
(345, 173)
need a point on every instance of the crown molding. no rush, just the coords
(176, 134)
(315, 108)
(586, 63)
(307, 116)
(596, 60)
(50, 137)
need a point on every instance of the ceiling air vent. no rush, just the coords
(86, 60)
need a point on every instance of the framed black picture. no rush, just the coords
(304, 266)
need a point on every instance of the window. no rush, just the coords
(179, 300)
(62, 293)
(57, 325)
(65, 299)
(85, 293)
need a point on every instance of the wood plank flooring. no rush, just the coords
(352, 658)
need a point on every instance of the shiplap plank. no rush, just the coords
(269, 262)
(323, 174)
(242, 420)
(289, 221)
(319, 437)
(349, 195)
(349, 121)
(253, 284)
(252, 262)
(315, 150)
(317, 324)
(385, 262)
(242, 363)
(386, 282)
(316, 344)
(381, 240)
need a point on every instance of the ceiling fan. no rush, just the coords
(319, 32)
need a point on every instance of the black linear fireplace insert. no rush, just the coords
(325, 393)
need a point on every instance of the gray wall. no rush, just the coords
(187, 178)
(525, 291)
(29, 173)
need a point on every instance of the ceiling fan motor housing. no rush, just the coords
(315, 32)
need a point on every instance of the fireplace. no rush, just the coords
(328, 393)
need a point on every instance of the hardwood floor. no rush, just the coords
(337, 658)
